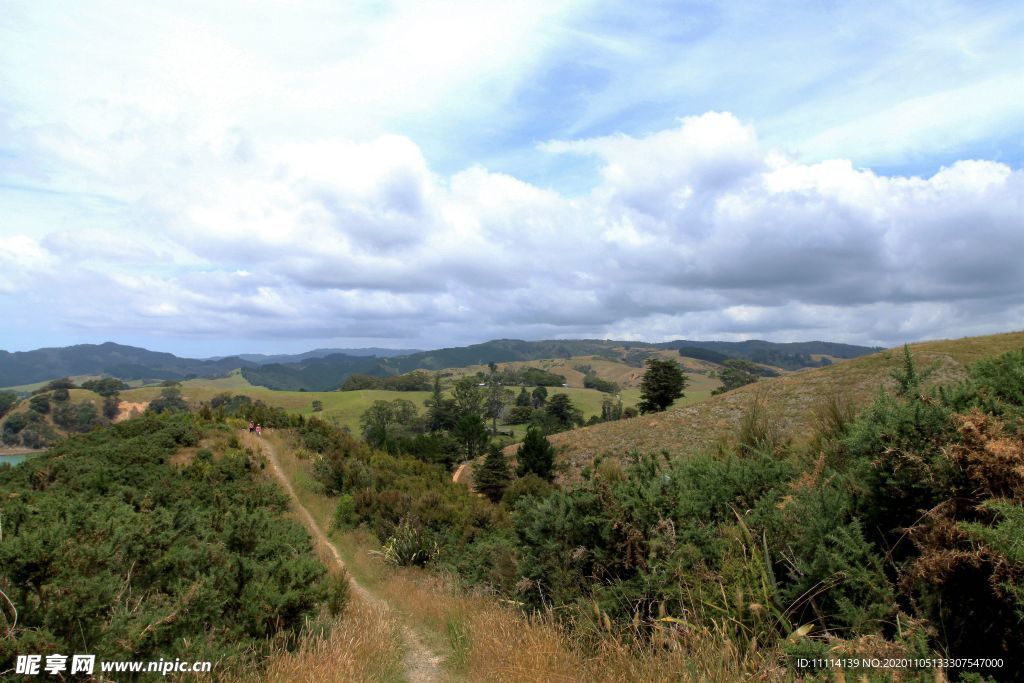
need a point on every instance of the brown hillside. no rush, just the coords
(791, 398)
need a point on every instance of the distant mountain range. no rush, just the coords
(264, 359)
(326, 369)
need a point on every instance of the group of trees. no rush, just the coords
(736, 373)
(412, 381)
(51, 405)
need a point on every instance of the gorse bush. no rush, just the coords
(109, 549)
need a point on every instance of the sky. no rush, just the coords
(217, 178)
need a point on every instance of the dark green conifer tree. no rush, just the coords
(536, 455)
(493, 476)
(662, 384)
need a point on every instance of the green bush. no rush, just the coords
(214, 569)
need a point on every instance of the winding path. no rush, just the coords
(421, 664)
(458, 472)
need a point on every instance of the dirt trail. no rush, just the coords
(421, 664)
(458, 472)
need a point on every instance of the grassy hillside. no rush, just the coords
(616, 370)
(792, 399)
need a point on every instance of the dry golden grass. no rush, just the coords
(688, 430)
(361, 645)
(358, 645)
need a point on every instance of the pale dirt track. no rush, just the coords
(421, 664)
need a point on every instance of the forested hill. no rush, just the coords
(317, 374)
(509, 350)
(126, 362)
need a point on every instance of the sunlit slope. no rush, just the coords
(792, 398)
(625, 375)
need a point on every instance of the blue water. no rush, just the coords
(12, 460)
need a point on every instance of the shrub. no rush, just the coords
(40, 403)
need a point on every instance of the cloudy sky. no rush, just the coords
(210, 178)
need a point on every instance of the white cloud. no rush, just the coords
(693, 231)
(325, 171)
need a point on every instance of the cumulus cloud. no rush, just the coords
(698, 230)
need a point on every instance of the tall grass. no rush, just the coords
(362, 644)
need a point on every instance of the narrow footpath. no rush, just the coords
(421, 664)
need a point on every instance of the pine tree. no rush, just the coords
(493, 476)
(662, 384)
(536, 455)
(435, 405)
(496, 398)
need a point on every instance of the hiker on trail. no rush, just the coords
(259, 430)
(252, 426)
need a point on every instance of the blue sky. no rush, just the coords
(216, 179)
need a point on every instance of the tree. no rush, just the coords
(611, 410)
(539, 396)
(736, 373)
(493, 476)
(536, 456)
(561, 409)
(105, 386)
(469, 400)
(519, 415)
(496, 399)
(523, 399)
(111, 406)
(435, 405)
(383, 421)
(662, 384)
(471, 432)
(169, 401)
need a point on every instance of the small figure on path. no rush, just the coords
(252, 426)
(259, 430)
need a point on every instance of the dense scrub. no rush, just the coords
(108, 548)
(896, 532)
